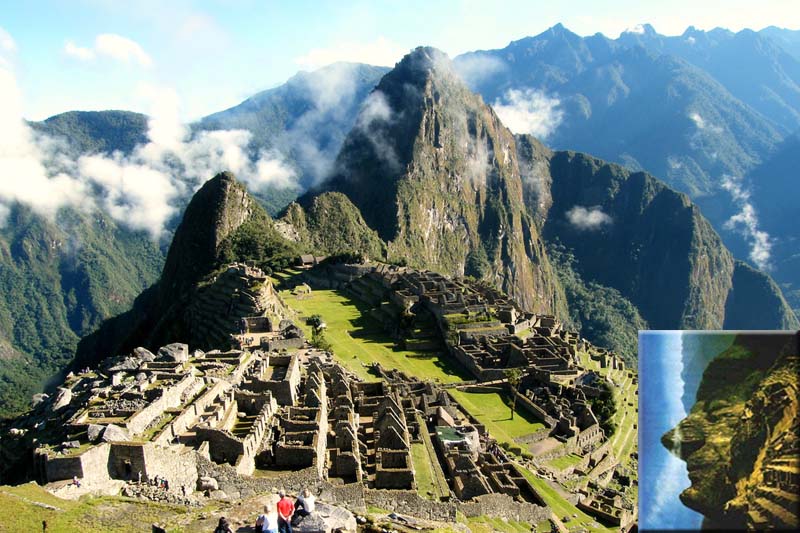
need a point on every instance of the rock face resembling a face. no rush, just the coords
(704, 446)
(740, 440)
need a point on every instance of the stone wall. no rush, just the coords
(237, 486)
(526, 403)
(94, 463)
(410, 503)
(126, 460)
(177, 464)
(504, 507)
(189, 415)
(223, 446)
(91, 466)
(273, 345)
(56, 468)
(171, 397)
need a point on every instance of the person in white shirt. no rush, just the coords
(266, 523)
(304, 506)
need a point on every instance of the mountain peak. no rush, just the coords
(642, 29)
(559, 30)
(220, 206)
(422, 61)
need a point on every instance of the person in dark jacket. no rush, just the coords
(224, 526)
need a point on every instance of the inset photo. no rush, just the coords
(718, 430)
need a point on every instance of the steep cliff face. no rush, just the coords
(217, 209)
(631, 232)
(740, 438)
(433, 170)
(331, 224)
(756, 302)
(214, 216)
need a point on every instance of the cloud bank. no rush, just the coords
(112, 46)
(746, 223)
(529, 111)
(381, 52)
(477, 68)
(141, 190)
(588, 219)
(374, 117)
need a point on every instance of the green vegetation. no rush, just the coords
(428, 483)
(58, 282)
(477, 264)
(484, 524)
(257, 240)
(604, 408)
(332, 225)
(96, 131)
(560, 506)
(601, 314)
(565, 461)
(491, 408)
(358, 340)
(514, 376)
(22, 509)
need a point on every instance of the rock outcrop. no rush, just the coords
(741, 438)
(434, 171)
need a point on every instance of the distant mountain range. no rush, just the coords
(430, 177)
(671, 106)
(710, 113)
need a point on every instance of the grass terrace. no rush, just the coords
(359, 340)
(577, 520)
(24, 507)
(565, 461)
(492, 410)
(625, 438)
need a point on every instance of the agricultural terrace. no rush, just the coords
(358, 340)
(626, 415)
(492, 409)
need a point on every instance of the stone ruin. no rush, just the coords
(286, 408)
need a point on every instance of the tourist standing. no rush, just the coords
(285, 512)
(266, 523)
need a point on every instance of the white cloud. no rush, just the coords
(121, 49)
(375, 114)
(78, 52)
(333, 97)
(475, 68)
(381, 52)
(140, 190)
(23, 176)
(637, 29)
(746, 222)
(703, 124)
(588, 219)
(112, 46)
(529, 111)
(7, 44)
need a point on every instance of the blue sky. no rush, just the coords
(97, 54)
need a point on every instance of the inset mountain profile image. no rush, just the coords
(730, 460)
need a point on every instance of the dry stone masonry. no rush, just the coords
(268, 403)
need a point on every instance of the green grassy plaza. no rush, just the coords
(358, 340)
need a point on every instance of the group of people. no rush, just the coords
(159, 482)
(289, 514)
